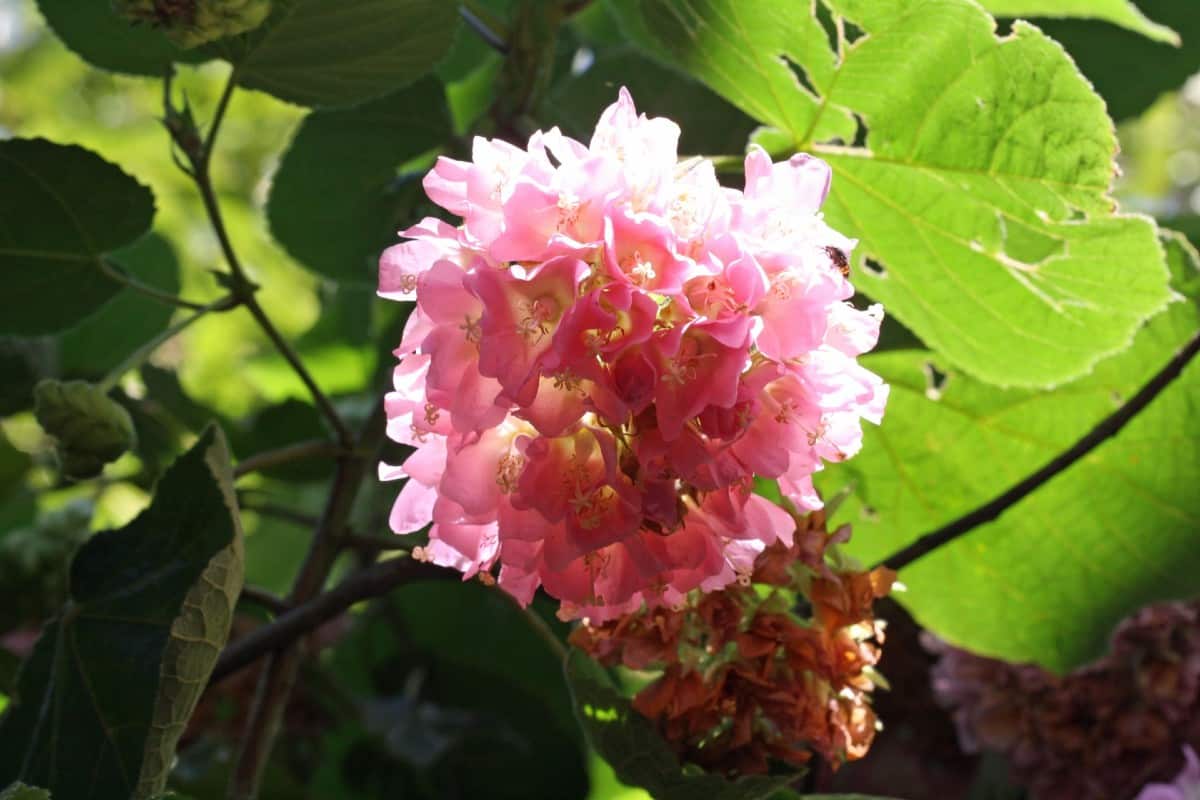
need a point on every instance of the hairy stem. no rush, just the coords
(1108, 427)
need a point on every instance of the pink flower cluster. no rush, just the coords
(606, 353)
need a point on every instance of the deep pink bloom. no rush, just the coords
(608, 351)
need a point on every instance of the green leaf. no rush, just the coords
(753, 52)
(19, 791)
(90, 429)
(1118, 12)
(64, 209)
(1049, 579)
(95, 33)
(130, 319)
(105, 693)
(278, 426)
(638, 755)
(983, 186)
(34, 560)
(354, 155)
(13, 466)
(708, 123)
(1117, 62)
(23, 362)
(337, 53)
(461, 660)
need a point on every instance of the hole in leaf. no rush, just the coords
(801, 76)
(935, 382)
(873, 268)
(860, 131)
(825, 20)
(869, 514)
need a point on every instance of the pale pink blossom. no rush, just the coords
(608, 351)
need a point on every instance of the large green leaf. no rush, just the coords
(129, 320)
(337, 53)
(111, 682)
(336, 201)
(1118, 12)
(638, 755)
(1048, 580)
(64, 209)
(749, 51)
(99, 36)
(983, 186)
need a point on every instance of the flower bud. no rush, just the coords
(190, 23)
(91, 429)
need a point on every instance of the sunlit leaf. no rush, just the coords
(983, 186)
(753, 52)
(1118, 12)
(1049, 579)
(1128, 70)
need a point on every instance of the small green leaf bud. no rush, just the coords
(190, 23)
(91, 429)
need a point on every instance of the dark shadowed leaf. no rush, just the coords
(708, 123)
(337, 201)
(129, 320)
(337, 53)
(461, 661)
(279, 426)
(111, 682)
(102, 38)
(638, 755)
(64, 210)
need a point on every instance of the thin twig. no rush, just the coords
(1108, 427)
(268, 600)
(218, 116)
(300, 451)
(129, 282)
(485, 25)
(243, 287)
(374, 581)
(369, 542)
(283, 665)
(146, 350)
(276, 511)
